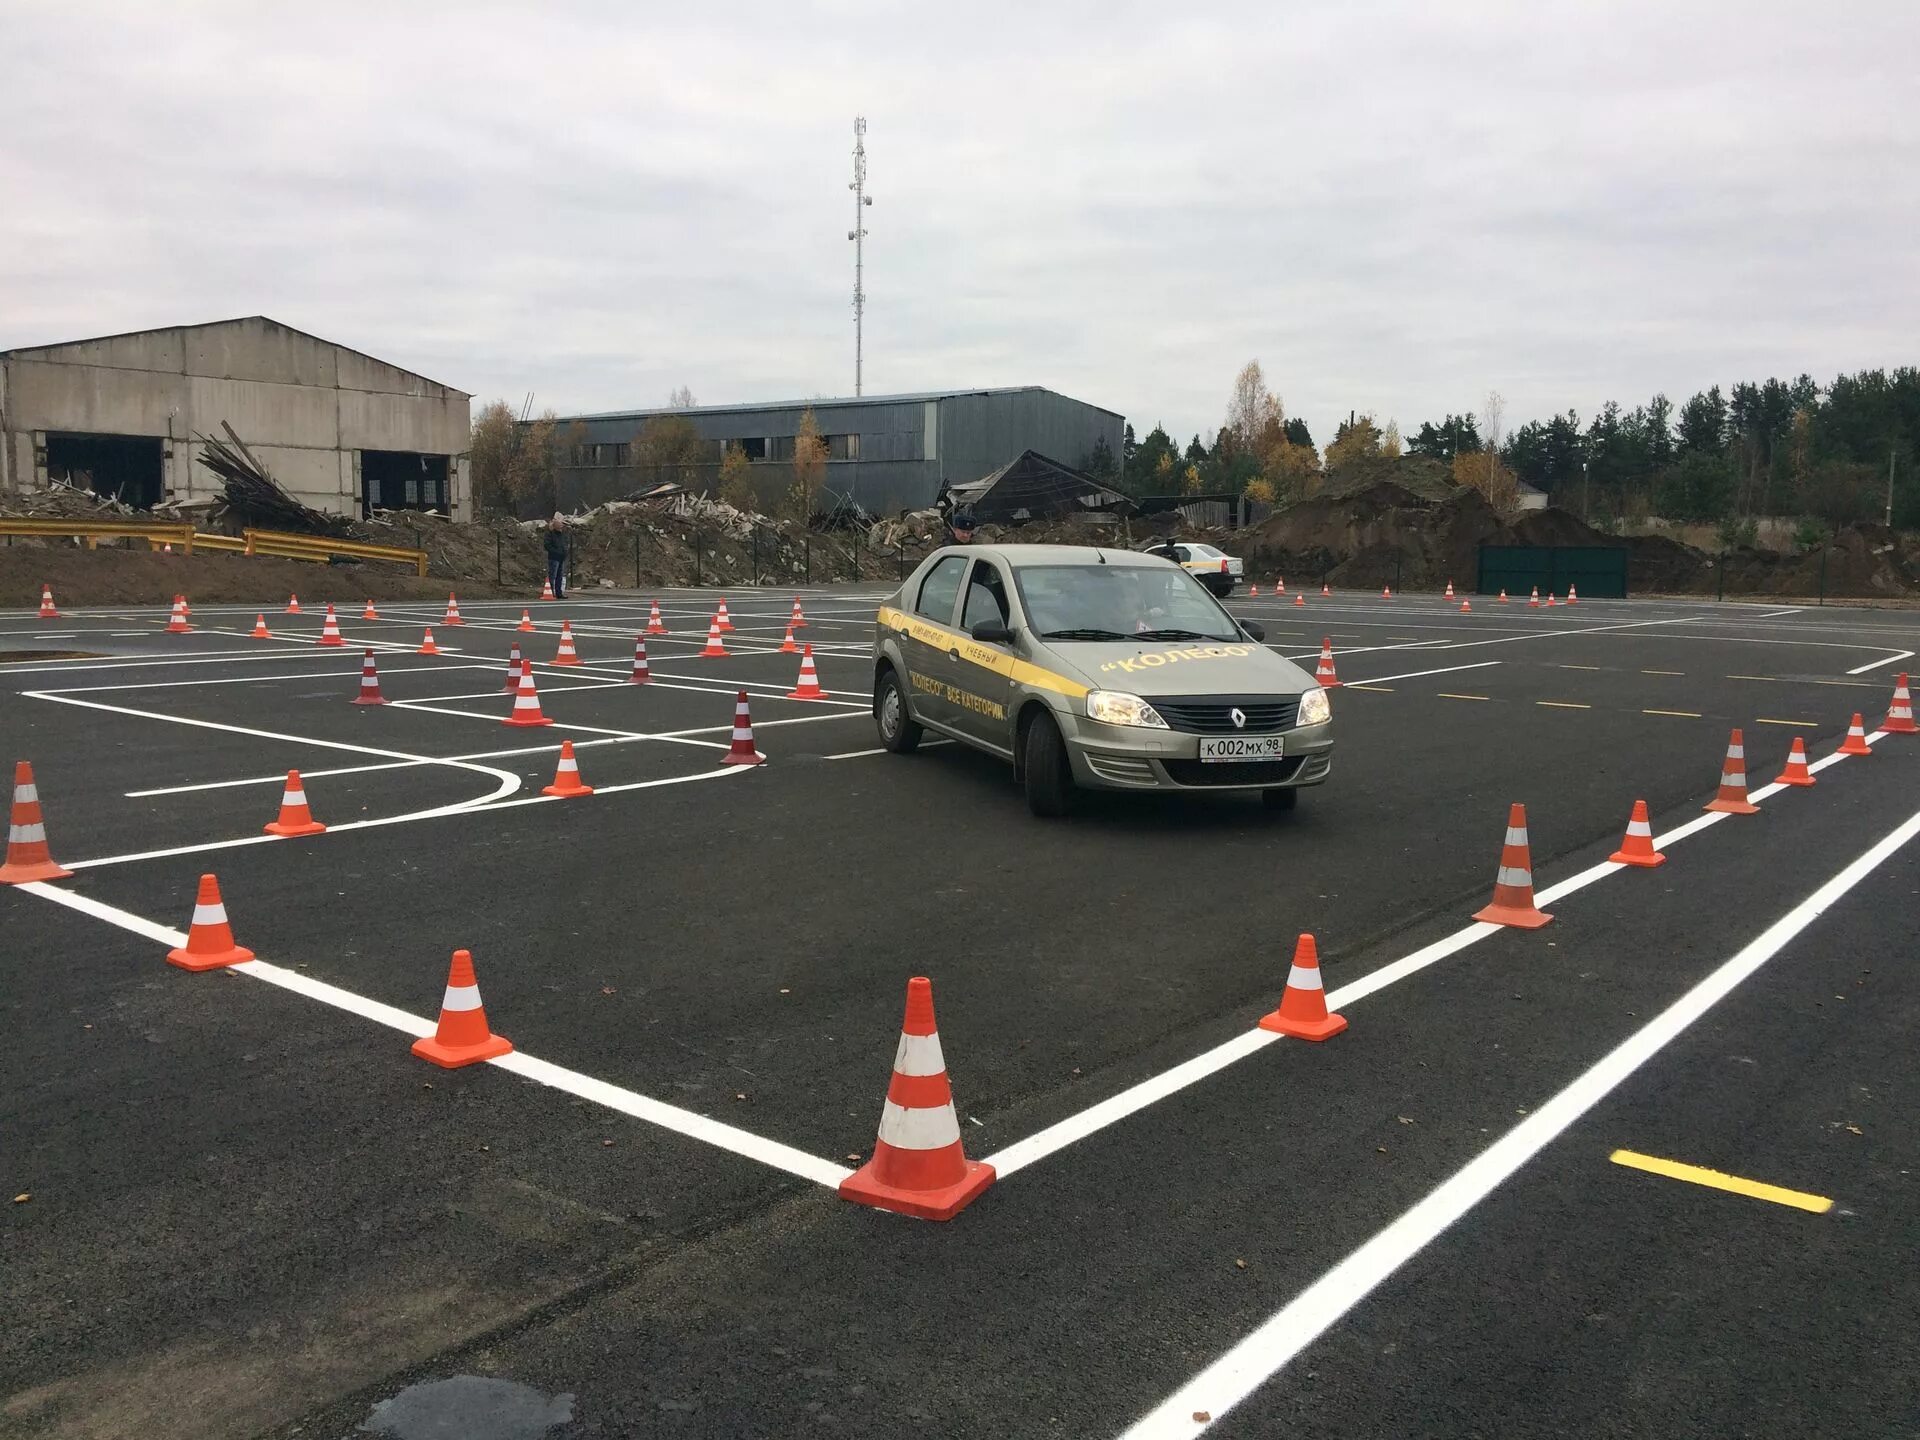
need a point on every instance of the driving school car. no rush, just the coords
(1215, 569)
(1092, 667)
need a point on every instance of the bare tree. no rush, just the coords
(682, 398)
(1493, 412)
(1253, 411)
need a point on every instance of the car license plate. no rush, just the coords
(1241, 747)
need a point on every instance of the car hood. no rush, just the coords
(1161, 667)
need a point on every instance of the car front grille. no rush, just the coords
(1212, 714)
(1120, 769)
(1200, 774)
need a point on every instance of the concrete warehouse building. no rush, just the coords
(886, 453)
(340, 431)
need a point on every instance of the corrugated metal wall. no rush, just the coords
(980, 433)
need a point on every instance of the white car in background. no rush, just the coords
(1215, 569)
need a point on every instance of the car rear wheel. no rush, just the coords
(1283, 797)
(899, 731)
(1047, 772)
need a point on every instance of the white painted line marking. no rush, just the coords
(1310, 1314)
(1790, 610)
(1876, 664)
(614, 1097)
(1416, 674)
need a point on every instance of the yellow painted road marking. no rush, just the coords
(1803, 724)
(1383, 689)
(1563, 705)
(1716, 1180)
(1579, 667)
(1449, 695)
(1663, 672)
(1680, 714)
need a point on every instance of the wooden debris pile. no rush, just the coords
(253, 496)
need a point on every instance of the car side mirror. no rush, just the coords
(992, 632)
(1255, 630)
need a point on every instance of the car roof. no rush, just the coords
(1020, 556)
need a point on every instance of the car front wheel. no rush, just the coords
(899, 731)
(1047, 771)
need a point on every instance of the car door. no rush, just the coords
(983, 670)
(930, 637)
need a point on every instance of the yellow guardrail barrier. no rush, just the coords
(321, 548)
(285, 544)
(155, 533)
(233, 543)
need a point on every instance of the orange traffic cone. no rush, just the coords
(293, 604)
(1280, 585)
(27, 855)
(260, 631)
(209, 937)
(714, 645)
(809, 686)
(1503, 594)
(462, 1036)
(513, 668)
(546, 589)
(1856, 741)
(1449, 594)
(1732, 796)
(177, 622)
(1796, 772)
(453, 611)
(799, 620)
(919, 1165)
(526, 622)
(1303, 1005)
(1572, 599)
(295, 818)
(1466, 607)
(1513, 886)
(1386, 592)
(654, 625)
(330, 629)
(640, 674)
(1899, 719)
(47, 612)
(1637, 848)
(741, 751)
(724, 620)
(526, 701)
(369, 682)
(787, 646)
(1300, 599)
(1324, 673)
(566, 776)
(1549, 600)
(1253, 592)
(1533, 602)
(1325, 593)
(567, 654)
(369, 613)
(427, 647)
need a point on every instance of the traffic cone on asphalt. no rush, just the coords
(566, 776)
(427, 647)
(1503, 594)
(369, 613)
(1324, 673)
(1732, 797)
(293, 604)
(260, 631)
(919, 1165)
(27, 855)
(295, 818)
(714, 645)
(1280, 585)
(513, 668)
(1637, 848)
(369, 682)
(1466, 607)
(526, 701)
(546, 589)
(567, 654)
(721, 618)
(654, 625)
(787, 647)
(330, 629)
(808, 687)
(1386, 592)
(1796, 772)
(209, 937)
(640, 674)
(47, 612)
(1253, 592)
(1300, 599)
(1899, 719)
(741, 751)
(177, 622)
(799, 620)
(1303, 1005)
(1513, 885)
(453, 611)
(1533, 602)
(1449, 594)
(1572, 599)
(1856, 741)
(526, 622)
(462, 1036)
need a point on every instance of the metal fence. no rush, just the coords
(1599, 571)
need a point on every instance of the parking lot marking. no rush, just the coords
(1803, 724)
(1383, 689)
(1876, 664)
(1315, 1310)
(1677, 714)
(1416, 674)
(1808, 680)
(1579, 667)
(1449, 695)
(600, 1092)
(1663, 672)
(1720, 1180)
(1563, 704)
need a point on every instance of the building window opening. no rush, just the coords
(127, 468)
(402, 480)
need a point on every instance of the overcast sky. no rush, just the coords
(1394, 206)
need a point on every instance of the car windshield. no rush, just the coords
(1119, 602)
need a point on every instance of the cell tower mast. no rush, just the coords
(858, 236)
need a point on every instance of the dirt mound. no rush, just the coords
(142, 577)
(1382, 534)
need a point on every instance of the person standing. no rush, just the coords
(557, 546)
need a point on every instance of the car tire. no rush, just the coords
(1046, 770)
(899, 731)
(1281, 797)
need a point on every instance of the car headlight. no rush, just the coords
(1111, 707)
(1315, 708)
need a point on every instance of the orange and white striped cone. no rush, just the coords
(655, 626)
(1637, 847)
(1449, 594)
(462, 1036)
(566, 775)
(295, 818)
(1796, 771)
(513, 668)
(741, 751)
(1326, 592)
(721, 618)
(808, 687)
(799, 620)
(293, 604)
(1533, 601)
(47, 612)
(1324, 672)
(27, 855)
(1550, 602)
(452, 616)
(1513, 885)
(1280, 585)
(1899, 719)
(787, 646)
(1572, 598)
(1856, 741)
(525, 627)
(330, 629)
(919, 1165)
(567, 655)
(1503, 594)
(641, 675)
(546, 589)
(1466, 607)
(369, 613)
(1300, 600)
(209, 937)
(1386, 592)
(1732, 796)
(369, 682)
(526, 701)
(715, 646)
(1253, 591)
(260, 631)
(1303, 1005)
(177, 622)
(427, 647)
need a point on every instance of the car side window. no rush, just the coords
(940, 589)
(1181, 554)
(986, 596)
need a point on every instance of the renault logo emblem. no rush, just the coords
(1239, 718)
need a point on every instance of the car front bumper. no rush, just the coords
(1134, 757)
